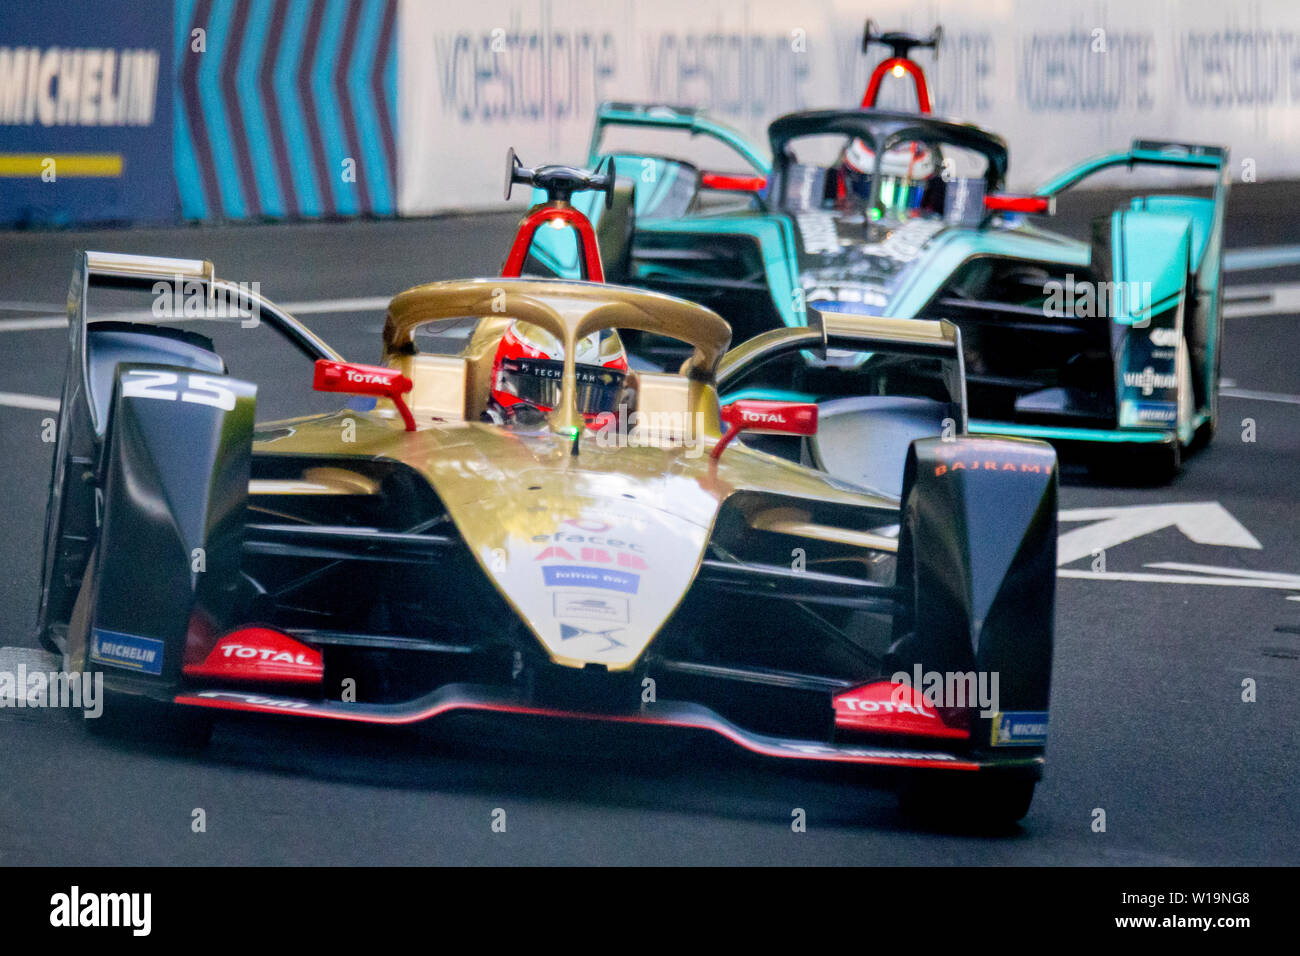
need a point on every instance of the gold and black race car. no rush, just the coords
(539, 530)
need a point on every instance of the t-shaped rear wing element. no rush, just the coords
(899, 63)
(559, 183)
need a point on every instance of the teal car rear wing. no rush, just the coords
(1141, 153)
(672, 117)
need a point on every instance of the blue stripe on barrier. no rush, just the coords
(334, 141)
(363, 64)
(250, 100)
(286, 68)
(214, 110)
(188, 183)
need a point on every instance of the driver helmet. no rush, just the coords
(529, 367)
(904, 170)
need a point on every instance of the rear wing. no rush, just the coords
(1142, 153)
(672, 117)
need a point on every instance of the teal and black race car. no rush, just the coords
(1109, 343)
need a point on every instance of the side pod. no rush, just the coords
(977, 556)
(175, 481)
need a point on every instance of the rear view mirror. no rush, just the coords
(1006, 202)
(732, 182)
(376, 380)
(776, 418)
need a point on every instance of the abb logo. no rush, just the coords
(622, 559)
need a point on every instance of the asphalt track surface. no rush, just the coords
(1147, 718)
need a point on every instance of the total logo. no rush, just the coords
(268, 654)
(366, 378)
(884, 707)
(765, 418)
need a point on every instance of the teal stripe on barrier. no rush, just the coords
(286, 94)
(368, 126)
(250, 101)
(188, 183)
(331, 125)
(214, 110)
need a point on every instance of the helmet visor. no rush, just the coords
(538, 381)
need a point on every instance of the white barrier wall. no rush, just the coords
(1060, 80)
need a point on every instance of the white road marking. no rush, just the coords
(1233, 582)
(28, 325)
(1260, 257)
(41, 308)
(1259, 396)
(1205, 522)
(1294, 579)
(36, 402)
(1240, 301)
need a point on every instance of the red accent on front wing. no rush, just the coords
(665, 714)
(274, 658)
(887, 708)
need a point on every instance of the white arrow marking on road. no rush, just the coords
(1205, 522)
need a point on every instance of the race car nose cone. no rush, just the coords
(594, 564)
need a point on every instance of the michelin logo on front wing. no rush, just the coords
(1019, 728)
(128, 651)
